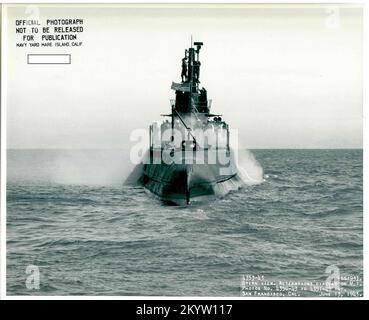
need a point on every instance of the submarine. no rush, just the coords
(189, 157)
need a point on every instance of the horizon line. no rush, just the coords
(249, 148)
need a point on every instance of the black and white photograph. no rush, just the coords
(198, 150)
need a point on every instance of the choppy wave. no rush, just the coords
(111, 239)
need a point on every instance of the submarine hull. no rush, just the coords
(183, 183)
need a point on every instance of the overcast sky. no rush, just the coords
(284, 76)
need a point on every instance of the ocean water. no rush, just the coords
(69, 214)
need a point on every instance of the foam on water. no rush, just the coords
(249, 168)
(70, 167)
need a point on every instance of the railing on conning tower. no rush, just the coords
(213, 125)
(173, 103)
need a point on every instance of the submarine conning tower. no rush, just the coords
(189, 97)
(190, 112)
